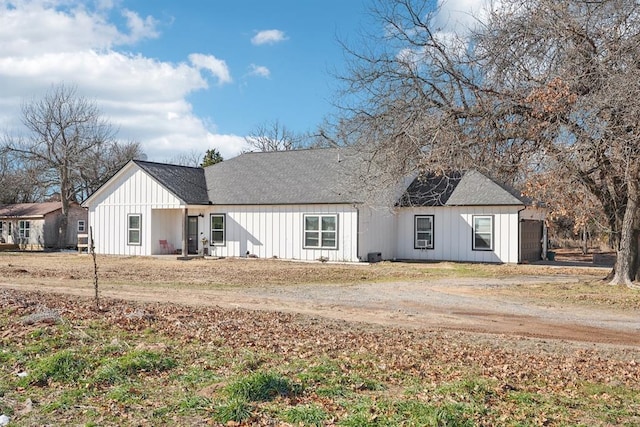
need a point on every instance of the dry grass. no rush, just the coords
(30, 267)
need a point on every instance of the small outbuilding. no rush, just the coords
(35, 226)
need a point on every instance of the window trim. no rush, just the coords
(473, 232)
(415, 232)
(213, 242)
(130, 229)
(319, 231)
(84, 226)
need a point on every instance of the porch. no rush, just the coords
(178, 232)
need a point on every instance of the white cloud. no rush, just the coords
(140, 28)
(215, 66)
(268, 37)
(259, 70)
(46, 42)
(456, 16)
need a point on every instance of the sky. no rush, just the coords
(181, 77)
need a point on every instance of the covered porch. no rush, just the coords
(178, 231)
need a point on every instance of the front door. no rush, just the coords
(192, 235)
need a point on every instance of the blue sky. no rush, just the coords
(183, 77)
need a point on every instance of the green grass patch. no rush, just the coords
(262, 387)
(130, 364)
(305, 415)
(234, 409)
(65, 366)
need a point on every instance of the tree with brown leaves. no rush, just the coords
(533, 83)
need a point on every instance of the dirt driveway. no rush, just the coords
(474, 304)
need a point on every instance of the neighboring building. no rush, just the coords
(306, 205)
(35, 226)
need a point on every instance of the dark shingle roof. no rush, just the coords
(186, 183)
(283, 177)
(470, 188)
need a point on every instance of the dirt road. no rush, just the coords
(464, 304)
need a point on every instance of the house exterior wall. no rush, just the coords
(33, 242)
(453, 234)
(268, 231)
(51, 225)
(133, 192)
(377, 229)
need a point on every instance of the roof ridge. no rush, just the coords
(138, 162)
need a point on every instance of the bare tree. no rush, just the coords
(274, 136)
(537, 81)
(191, 158)
(18, 180)
(70, 144)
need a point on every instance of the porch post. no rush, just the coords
(185, 231)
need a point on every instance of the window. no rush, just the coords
(483, 233)
(423, 232)
(134, 229)
(1, 228)
(81, 226)
(217, 230)
(24, 229)
(321, 231)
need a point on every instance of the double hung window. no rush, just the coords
(24, 229)
(483, 233)
(134, 229)
(217, 230)
(423, 232)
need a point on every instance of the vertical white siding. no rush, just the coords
(453, 234)
(134, 192)
(269, 231)
(377, 232)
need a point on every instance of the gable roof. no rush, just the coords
(186, 183)
(470, 188)
(29, 210)
(307, 176)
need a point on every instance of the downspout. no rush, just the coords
(357, 231)
(520, 235)
(185, 231)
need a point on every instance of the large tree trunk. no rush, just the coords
(65, 199)
(626, 267)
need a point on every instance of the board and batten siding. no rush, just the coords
(133, 192)
(377, 232)
(453, 234)
(269, 231)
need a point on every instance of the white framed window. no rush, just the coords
(82, 226)
(483, 233)
(218, 234)
(24, 229)
(134, 229)
(321, 231)
(423, 232)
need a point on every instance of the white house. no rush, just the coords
(305, 205)
(36, 225)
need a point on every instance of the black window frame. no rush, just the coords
(212, 241)
(415, 232)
